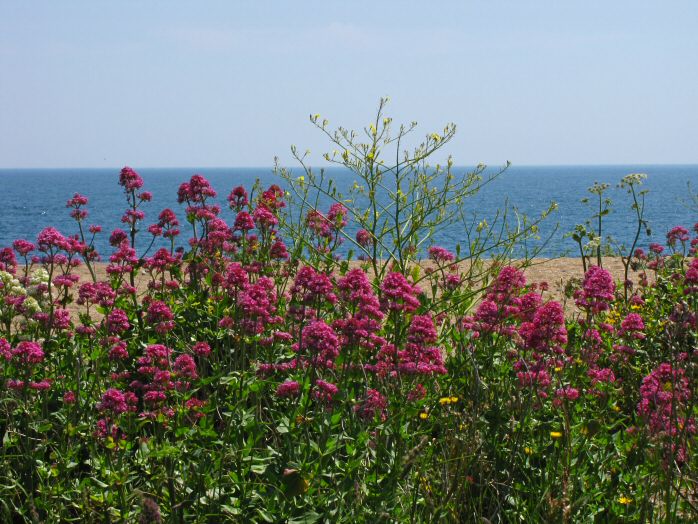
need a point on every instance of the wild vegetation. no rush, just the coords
(258, 376)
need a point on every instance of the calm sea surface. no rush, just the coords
(35, 198)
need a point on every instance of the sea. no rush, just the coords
(36, 198)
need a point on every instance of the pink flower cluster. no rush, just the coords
(362, 321)
(665, 397)
(373, 406)
(598, 290)
(398, 295)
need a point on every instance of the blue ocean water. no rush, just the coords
(35, 198)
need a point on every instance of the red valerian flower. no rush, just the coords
(130, 180)
(288, 389)
(319, 343)
(397, 294)
(374, 405)
(440, 254)
(597, 290)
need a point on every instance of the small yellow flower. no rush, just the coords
(558, 369)
(454, 400)
(528, 451)
(423, 415)
(445, 400)
(613, 317)
(624, 500)
(555, 434)
(616, 408)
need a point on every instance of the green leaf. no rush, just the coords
(307, 518)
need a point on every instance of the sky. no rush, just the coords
(92, 83)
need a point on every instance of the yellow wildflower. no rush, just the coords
(454, 400)
(445, 400)
(528, 451)
(423, 415)
(555, 434)
(624, 500)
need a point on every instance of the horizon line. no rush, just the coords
(331, 166)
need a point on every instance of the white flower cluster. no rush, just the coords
(10, 286)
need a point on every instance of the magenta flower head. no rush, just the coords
(167, 217)
(655, 248)
(547, 330)
(117, 237)
(51, 238)
(597, 291)
(28, 353)
(150, 512)
(567, 393)
(397, 294)
(257, 304)
(337, 215)
(77, 201)
(665, 396)
(264, 218)
(236, 278)
(677, 234)
(69, 397)
(272, 198)
(363, 238)
(160, 316)
(185, 367)
(114, 401)
(202, 349)
(633, 325)
(374, 405)
(288, 389)
(440, 255)
(200, 189)
(130, 180)
(8, 260)
(422, 330)
(324, 392)
(318, 223)
(244, 221)
(23, 247)
(238, 198)
(510, 282)
(320, 343)
(311, 286)
(5, 349)
(117, 321)
(278, 250)
(119, 350)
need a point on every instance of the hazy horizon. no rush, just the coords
(339, 167)
(97, 84)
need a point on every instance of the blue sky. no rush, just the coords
(231, 83)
